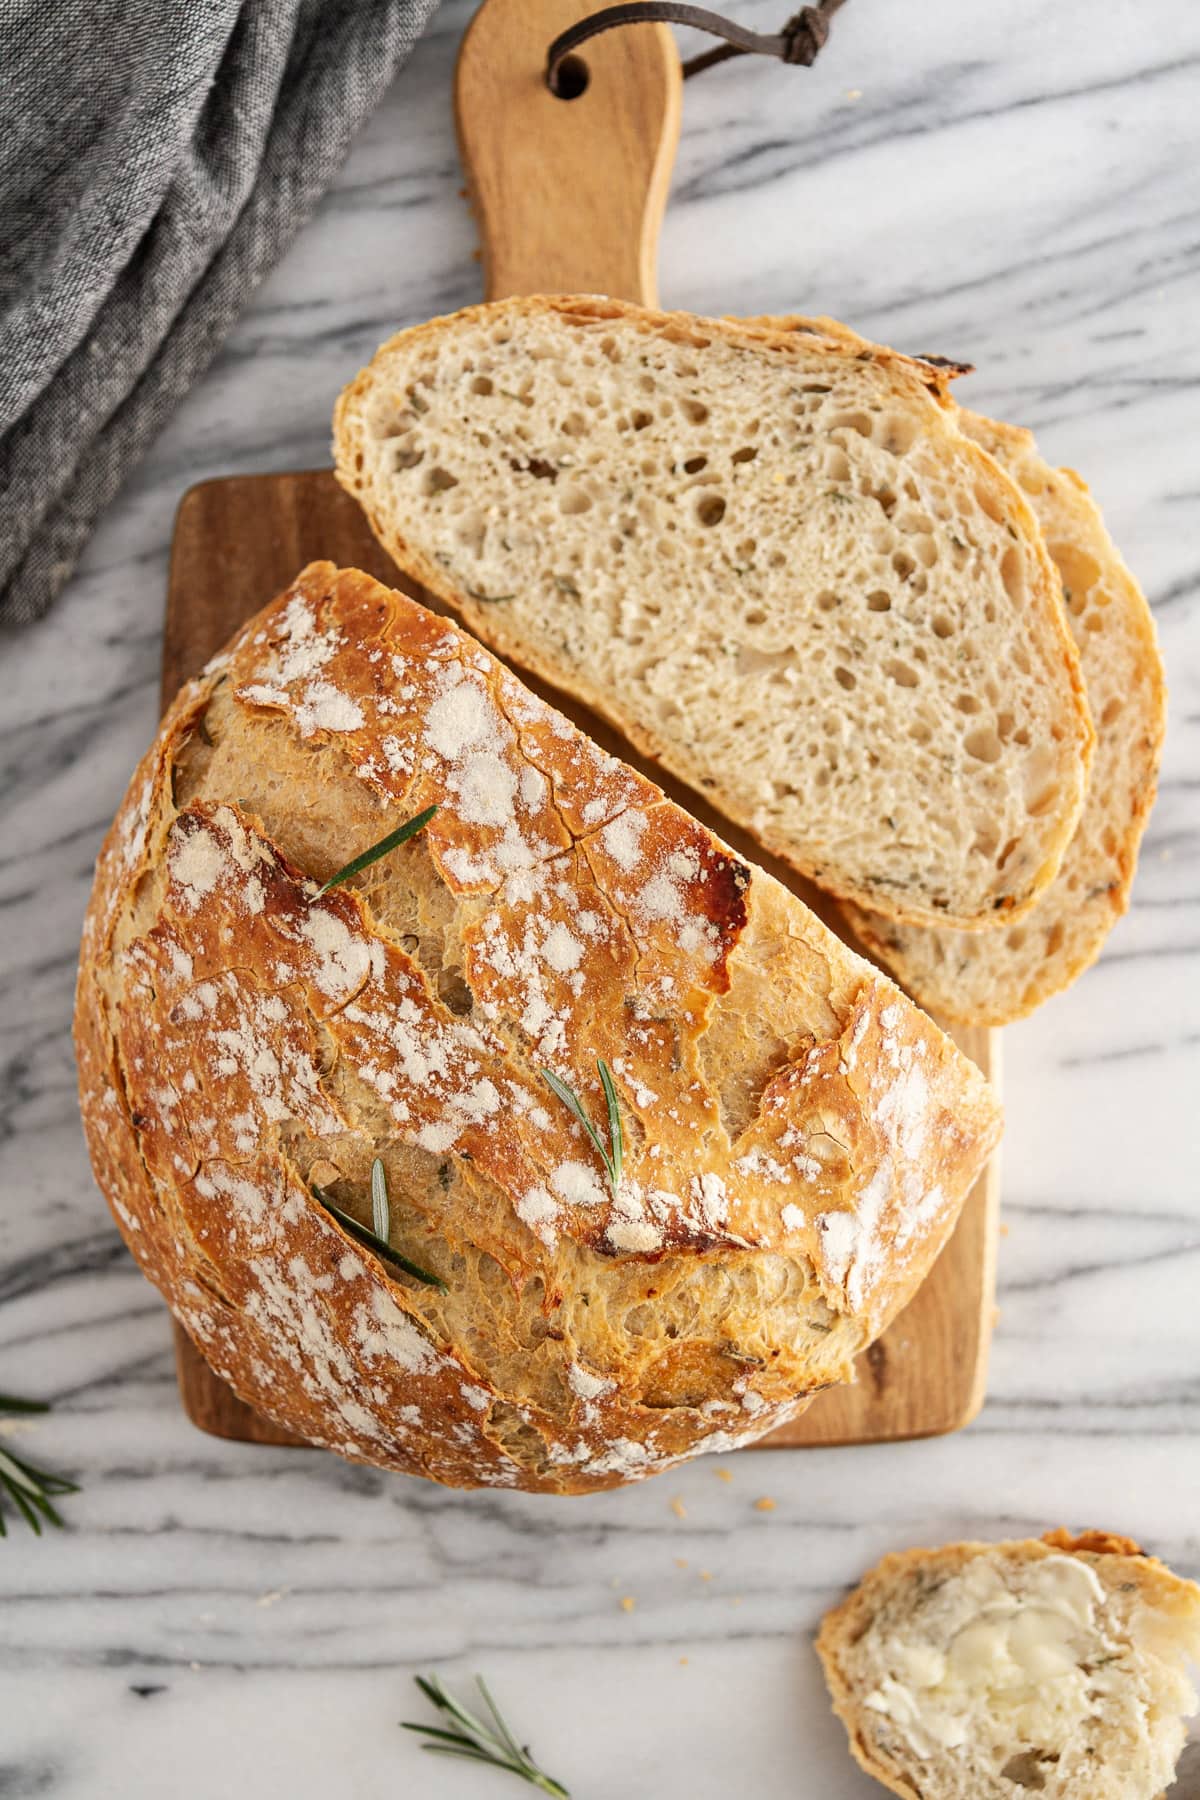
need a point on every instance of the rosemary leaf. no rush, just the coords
(381, 1212)
(27, 1487)
(392, 841)
(363, 1235)
(612, 1153)
(474, 1741)
(616, 1136)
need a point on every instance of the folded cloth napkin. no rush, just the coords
(155, 161)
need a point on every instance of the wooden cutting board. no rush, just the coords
(569, 195)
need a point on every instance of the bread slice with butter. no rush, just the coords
(771, 559)
(1056, 1666)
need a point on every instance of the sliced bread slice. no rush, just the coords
(988, 1671)
(997, 977)
(771, 559)
(991, 978)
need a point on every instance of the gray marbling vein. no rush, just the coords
(1016, 185)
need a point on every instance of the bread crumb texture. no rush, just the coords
(991, 978)
(771, 558)
(1056, 1667)
(798, 1137)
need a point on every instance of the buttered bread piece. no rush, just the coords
(796, 1138)
(981, 1672)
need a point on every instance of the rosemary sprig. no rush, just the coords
(611, 1154)
(476, 1740)
(392, 841)
(31, 1490)
(377, 1240)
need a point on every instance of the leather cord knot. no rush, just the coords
(799, 43)
(804, 36)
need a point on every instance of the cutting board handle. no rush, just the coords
(569, 193)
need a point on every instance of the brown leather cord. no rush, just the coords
(799, 42)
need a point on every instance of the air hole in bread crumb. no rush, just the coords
(407, 458)
(983, 745)
(575, 425)
(756, 616)
(694, 411)
(483, 384)
(860, 422)
(1042, 802)
(439, 481)
(1012, 574)
(694, 464)
(902, 673)
(988, 503)
(746, 454)
(919, 732)
(711, 509)
(745, 550)
(1054, 938)
(878, 601)
(1025, 1769)
(641, 418)
(903, 564)
(943, 626)
(967, 703)
(1016, 937)
(574, 500)
(1112, 711)
(896, 433)
(844, 678)
(827, 601)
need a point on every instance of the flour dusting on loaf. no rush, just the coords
(798, 1138)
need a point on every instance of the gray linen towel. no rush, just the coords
(155, 161)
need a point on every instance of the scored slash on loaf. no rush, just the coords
(798, 1138)
(771, 558)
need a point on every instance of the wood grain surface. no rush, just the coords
(568, 194)
(237, 543)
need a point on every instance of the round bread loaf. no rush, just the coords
(797, 1137)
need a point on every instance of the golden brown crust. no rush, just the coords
(488, 619)
(242, 1037)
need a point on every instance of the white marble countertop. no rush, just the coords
(1015, 184)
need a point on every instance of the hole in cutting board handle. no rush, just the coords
(570, 79)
